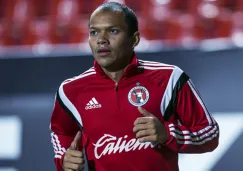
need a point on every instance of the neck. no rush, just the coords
(116, 75)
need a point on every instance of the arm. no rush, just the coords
(196, 130)
(63, 128)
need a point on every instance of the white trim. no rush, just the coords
(156, 64)
(58, 156)
(151, 63)
(195, 143)
(200, 101)
(57, 144)
(169, 89)
(192, 133)
(161, 65)
(90, 70)
(69, 105)
(187, 136)
(58, 149)
(54, 144)
(67, 102)
(157, 68)
(82, 76)
(181, 136)
(78, 77)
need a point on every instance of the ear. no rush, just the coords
(136, 39)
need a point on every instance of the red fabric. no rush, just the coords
(106, 116)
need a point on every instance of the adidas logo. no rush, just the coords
(93, 104)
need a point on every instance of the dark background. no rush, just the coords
(27, 89)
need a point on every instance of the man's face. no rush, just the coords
(110, 43)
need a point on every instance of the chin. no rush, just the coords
(104, 62)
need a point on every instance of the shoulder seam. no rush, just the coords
(87, 73)
(152, 64)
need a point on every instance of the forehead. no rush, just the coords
(107, 18)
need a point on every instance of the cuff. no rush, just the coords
(59, 163)
(166, 124)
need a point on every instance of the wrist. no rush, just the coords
(166, 133)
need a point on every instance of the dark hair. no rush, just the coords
(130, 16)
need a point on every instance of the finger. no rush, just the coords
(71, 166)
(142, 120)
(139, 127)
(76, 141)
(151, 138)
(75, 153)
(144, 112)
(75, 160)
(144, 133)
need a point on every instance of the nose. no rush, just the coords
(102, 39)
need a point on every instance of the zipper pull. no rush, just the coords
(116, 86)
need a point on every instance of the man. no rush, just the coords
(127, 114)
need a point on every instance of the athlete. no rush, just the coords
(126, 114)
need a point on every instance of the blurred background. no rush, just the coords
(43, 42)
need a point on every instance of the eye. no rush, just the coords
(114, 31)
(93, 33)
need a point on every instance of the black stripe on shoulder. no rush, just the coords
(172, 104)
(66, 109)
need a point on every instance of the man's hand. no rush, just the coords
(74, 159)
(149, 128)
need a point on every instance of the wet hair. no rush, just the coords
(130, 16)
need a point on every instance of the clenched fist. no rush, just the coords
(74, 159)
(149, 129)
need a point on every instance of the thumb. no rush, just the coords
(76, 141)
(144, 112)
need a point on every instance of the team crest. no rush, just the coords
(138, 96)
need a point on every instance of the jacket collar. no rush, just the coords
(131, 69)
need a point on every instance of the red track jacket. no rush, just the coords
(105, 112)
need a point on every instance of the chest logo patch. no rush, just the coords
(138, 96)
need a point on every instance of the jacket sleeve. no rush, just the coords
(195, 130)
(63, 130)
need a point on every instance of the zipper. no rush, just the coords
(116, 86)
(117, 97)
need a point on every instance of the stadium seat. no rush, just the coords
(179, 5)
(26, 22)
(157, 22)
(214, 20)
(71, 23)
(20, 18)
(14, 16)
(231, 5)
(136, 5)
(2, 9)
(2, 24)
(237, 30)
(151, 20)
(87, 7)
(39, 26)
(2, 34)
(39, 32)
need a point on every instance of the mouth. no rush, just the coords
(102, 52)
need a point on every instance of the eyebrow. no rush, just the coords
(108, 27)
